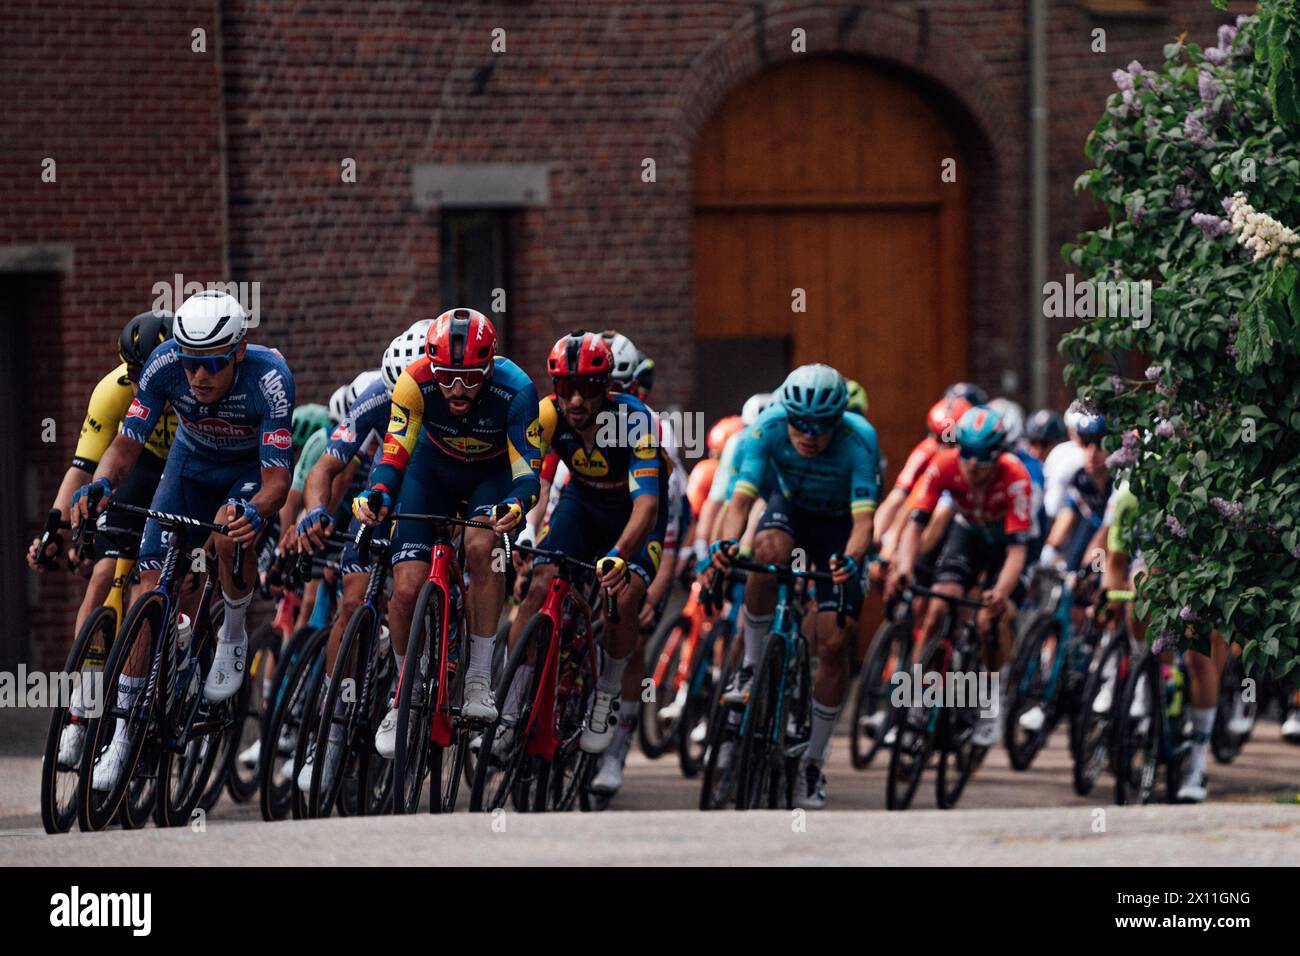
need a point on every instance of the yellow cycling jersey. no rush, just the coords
(109, 404)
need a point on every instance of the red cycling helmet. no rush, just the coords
(580, 353)
(721, 431)
(945, 413)
(461, 339)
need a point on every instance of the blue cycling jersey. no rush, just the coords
(367, 419)
(845, 477)
(253, 421)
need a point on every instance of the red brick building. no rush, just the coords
(504, 145)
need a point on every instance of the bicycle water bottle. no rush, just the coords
(1173, 689)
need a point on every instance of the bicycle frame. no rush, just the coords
(540, 729)
(699, 626)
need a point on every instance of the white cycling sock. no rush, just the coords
(610, 680)
(823, 722)
(628, 712)
(515, 696)
(1202, 724)
(480, 656)
(128, 692)
(754, 627)
(232, 625)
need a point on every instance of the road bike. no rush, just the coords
(1152, 728)
(531, 757)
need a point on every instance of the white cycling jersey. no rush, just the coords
(1062, 464)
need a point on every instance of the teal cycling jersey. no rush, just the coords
(312, 449)
(845, 477)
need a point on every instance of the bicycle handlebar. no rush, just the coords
(916, 590)
(793, 573)
(611, 606)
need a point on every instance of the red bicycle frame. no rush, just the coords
(542, 736)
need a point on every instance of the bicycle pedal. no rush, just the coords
(797, 750)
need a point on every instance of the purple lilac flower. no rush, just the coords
(1167, 641)
(1186, 613)
(1134, 68)
(1211, 226)
(1153, 373)
(1227, 32)
(1207, 86)
(1175, 527)
(1122, 458)
(1182, 197)
(1226, 202)
(1195, 131)
(1231, 350)
(1165, 429)
(1228, 509)
(1295, 552)
(1122, 80)
(1136, 215)
(1168, 391)
(1215, 55)
(1116, 383)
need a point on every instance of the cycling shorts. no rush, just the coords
(195, 486)
(972, 560)
(435, 483)
(584, 527)
(820, 536)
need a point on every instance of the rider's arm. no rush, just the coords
(643, 487)
(864, 492)
(319, 486)
(1012, 567)
(934, 531)
(886, 514)
(273, 492)
(405, 418)
(526, 445)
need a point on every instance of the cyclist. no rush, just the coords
(461, 437)
(609, 509)
(105, 413)
(233, 449)
(941, 421)
(360, 434)
(706, 526)
(826, 466)
(1079, 519)
(1061, 465)
(969, 391)
(991, 497)
(1043, 432)
(1013, 419)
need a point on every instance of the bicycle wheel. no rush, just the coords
(277, 764)
(1095, 730)
(959, 755)
(336, 721)
(374, 770)
(559, 782)
(762, 758)
(1224, 744)
(1028, 689)
(255, 703)
(655, 733)
(873, 715)
(85, 670)
(95, 808)
(497, 770)
(718, 783)
(711, 666)
(1138, 730)
(916, 729)
(417, 699)
(197, 727)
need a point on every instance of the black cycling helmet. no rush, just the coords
(1091, 427)
(141, 336)
(1045, 427)
(969, 391)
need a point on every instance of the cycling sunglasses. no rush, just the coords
(588, 386)
(813, 426)
(469, 377)
(212, 364)
(978, 457)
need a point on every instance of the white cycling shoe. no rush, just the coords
(227, 672)
(250, 755)
(332, 752)
(1240, 723)
(870, 724)
(386, 735)
(1193, 789)
(72, 740)
(1291, 727)
(609, 779)
(599, 732)
(1033, 719)
(1105, 699)
(988, 731)
(810, 793)
(111, 763)
(479, 702)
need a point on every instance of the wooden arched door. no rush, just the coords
(826, 176)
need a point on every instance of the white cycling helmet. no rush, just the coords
(344, 396)
(210, 320)
(1013, 419)
(626, 359)
(754, 406)
(1072, 417)
(404, 350)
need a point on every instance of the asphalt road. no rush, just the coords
(1005, 817)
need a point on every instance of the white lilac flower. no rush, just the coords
(1261, 233)
(1182, 197)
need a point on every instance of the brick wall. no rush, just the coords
(135, 121)
(132, 119)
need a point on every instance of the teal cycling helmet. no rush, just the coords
(815, 395)
(981, 432)
(307, 420)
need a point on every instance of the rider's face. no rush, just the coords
(977, 473)
(208, 386)
(580, 410)
(809, 446)
(459, 398)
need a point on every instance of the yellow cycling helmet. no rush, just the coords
(857, 397)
